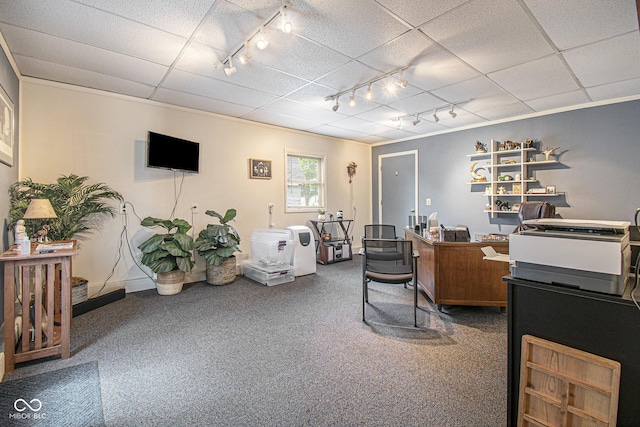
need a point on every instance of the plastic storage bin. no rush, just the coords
(270, 276)
(271, 247)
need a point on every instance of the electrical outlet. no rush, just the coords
(194, 208)
(270, 207)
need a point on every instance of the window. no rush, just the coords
(305, 184)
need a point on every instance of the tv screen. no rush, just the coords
(167, 152)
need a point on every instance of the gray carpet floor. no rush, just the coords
(295, 354)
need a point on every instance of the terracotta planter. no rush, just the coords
(170, 283)
(222, 274)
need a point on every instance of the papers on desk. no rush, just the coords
(492, 255)
(54, 246)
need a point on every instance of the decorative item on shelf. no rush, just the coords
(40, 209)
(502, 205)
(487, 190)
(19, 231)
(516, 188)
(487, 207)
(507, 161)
(505, 178)
(532, 159)
(529, 143)
(515, 207)
(502, 190)
(551, 189)
(351, 170)
(537, 191)
(476, 176)
(500, 146)
(510, 145)
(480, 147)
(548, 153)
(321, 215)
(517, 176)
(217, 244)
(339, 215)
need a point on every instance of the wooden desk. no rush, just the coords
(34, 276)
(454, 272)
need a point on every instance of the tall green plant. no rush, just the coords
(76, 203)
(218, 241)
(168, 251)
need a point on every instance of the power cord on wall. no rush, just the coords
(635, 284)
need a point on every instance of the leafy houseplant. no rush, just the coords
(217, 243)
(168, 254)
(76, 203)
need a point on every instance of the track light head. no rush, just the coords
(400, 82)
(369, 94)
(218, 64)
(452, 113)
(390, 87)
(417, 120)
(285, 24)
(337, 105)
(261, 40)
(435, 116)
(352, 99)
(230, 68)
(400, 123)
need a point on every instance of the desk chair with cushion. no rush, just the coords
(390, 261)
(380, 231)
(534, 210)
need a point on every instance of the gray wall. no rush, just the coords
(8, 174)
(600, 170)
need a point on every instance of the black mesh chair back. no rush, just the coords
(380, 231)
(390, 261)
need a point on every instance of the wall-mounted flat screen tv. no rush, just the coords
(168, 152)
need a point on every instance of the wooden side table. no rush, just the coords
(34, 278)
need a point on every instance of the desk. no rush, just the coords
(34, 276)
(455, 273)
(605, 325)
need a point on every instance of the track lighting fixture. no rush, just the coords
(417, 120)
(399, 122)
(337, 105)
(244, 59)
(285, 24)
(352, 99)
(390, 86)
(261, 41)
(435, 116)
(369, 94)
(452, 113)
(230, 68)
(400, 82)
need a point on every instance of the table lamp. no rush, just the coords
(40, 209)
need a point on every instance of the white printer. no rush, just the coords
(590, 255)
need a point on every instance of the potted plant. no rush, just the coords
(217, 243)
(168, 254)
(321, 213)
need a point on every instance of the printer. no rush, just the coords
(590, 255)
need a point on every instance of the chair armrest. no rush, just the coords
(415, 254)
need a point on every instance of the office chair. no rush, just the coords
(390, 261)
(380, 231)
(534, 210)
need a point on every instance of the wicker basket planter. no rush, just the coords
(170, 283)
(222, 274)
(78, 290)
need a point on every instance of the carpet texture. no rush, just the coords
(296, 354)
(65, 397)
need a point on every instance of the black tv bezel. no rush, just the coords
(156, 137)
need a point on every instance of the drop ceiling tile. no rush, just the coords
(405, 50)
(575, 97)
(396, 134)
(304, 111)
(506, 111)
(481, 103)
(334, 24)
(297, 56)
(372, 139)
(200, 59)
(576, 23)
(314, 94)
(349, 75)
(336, 132)
(99, 28)
(608, 61)
(201, 103)
(61, 73)
(80, 56)
(277, 119)
(177, 17)
(536, 79)
(383, 115)
(615, 90)
(417, 12)
(417, 104)
(227, 26)
(261, 8)
(426, 125)
(468, 89)
(489, 35)
(222, 90)
(359, 125)
(258, 77)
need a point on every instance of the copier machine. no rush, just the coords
(590, 255)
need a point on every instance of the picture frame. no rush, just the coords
(551, 189)
(6, 128)
(260, 169)
(517, 188)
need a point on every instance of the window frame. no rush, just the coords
(322, 181)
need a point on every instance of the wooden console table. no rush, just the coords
(455, 273)
(34, 277)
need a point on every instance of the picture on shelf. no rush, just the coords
(551, 189)
(517, 188)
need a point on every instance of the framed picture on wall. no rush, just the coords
(259, 169)
(6, 128)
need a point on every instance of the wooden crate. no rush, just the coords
(563, 386)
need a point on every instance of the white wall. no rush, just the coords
(100, 135)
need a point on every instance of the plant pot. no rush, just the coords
(79, 289)
(170, 283)
(222, 274)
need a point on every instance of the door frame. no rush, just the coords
(400, 153)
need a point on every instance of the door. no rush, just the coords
(398, 188)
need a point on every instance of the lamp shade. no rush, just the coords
(40, 208)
